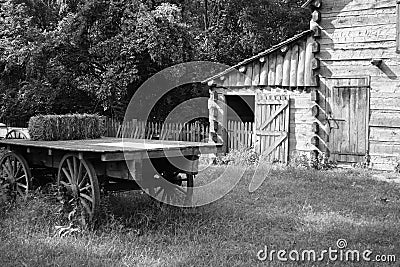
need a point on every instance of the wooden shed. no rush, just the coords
(332, 89)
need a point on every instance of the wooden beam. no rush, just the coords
(398, 28)
(284, 105)
(315, 128)
(316, 47)
(317, 3)
(279, 70)
(272, 69)
(317, 32)
(286, 69)
(316, 16)
(314, 95)
(294, 62)
(315, 141)
(264, 73)
(284, 49)
(315, 111)
(301, 65)
(316, 64)
(308, 73)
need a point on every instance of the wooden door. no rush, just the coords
(347, 117)
(272, 127)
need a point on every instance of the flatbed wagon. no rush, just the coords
(164, 169)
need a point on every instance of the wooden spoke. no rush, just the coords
(7, 170)
(24, 186)
(65, 184)
(76, 170)
(17, 134)
(71, 172)
(173, 191)
(86, 197)
(68, 175)
(79, 175)
(16, 173)
(19, 166)
(86, 188)
(84, 179)
(20, 178)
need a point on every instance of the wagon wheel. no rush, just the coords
(78, 187)
(15, 175)
(173, 188)
(17, 134)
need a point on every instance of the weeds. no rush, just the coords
(319, 162)
(241, 157)
(365, 164)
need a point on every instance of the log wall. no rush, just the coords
(358, 38)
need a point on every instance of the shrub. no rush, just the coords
(65, 127)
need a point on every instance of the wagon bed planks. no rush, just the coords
(113, 145)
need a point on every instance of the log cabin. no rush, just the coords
(333, 89)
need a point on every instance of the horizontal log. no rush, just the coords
(340, 6)
(359, 19)
(384, 149)
(359, 34)
(381, 134)
(390, 103)
(348, 71)
(381, 118)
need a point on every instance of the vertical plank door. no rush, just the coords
(272, 127)
(347, 117)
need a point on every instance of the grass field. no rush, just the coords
(294, 210)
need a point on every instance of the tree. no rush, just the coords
(65, 56)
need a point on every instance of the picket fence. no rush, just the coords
(240, 135)
(163, 131)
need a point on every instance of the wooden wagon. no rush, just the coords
(164, 169)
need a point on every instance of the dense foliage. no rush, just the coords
(67, 56)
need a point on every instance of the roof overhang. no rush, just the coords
(262, 54)
(307, 4)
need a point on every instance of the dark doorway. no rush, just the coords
(240, 108)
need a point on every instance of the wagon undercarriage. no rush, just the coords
(84, 169)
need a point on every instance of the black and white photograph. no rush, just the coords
(199, 133)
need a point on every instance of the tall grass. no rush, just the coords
(294, 209)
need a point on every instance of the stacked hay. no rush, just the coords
(65, 127)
